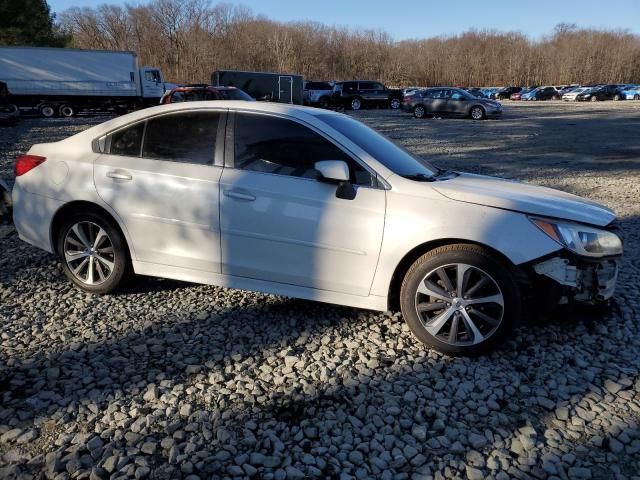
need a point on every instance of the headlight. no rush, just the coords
(581, 239)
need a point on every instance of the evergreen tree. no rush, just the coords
(29, 22)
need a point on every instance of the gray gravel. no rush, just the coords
(172, 380)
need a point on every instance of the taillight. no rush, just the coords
(24, 163)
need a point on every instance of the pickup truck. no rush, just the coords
(317, 94)
(356, 94)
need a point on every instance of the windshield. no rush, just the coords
(235, 94)
(396, 158)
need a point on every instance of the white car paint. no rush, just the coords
(279, 234)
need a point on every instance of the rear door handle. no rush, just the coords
(239, 195)
(119, 175)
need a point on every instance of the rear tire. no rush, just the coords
(67, 111)
(636, 97)
(616, 97)
(93, 252)
(479, 326)
(477, 113)
(419, 111)
(356, 104)
(395, 103)
(594, 99)
(323, 102)
(47, 110)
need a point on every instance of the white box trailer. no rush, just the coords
(65, 80)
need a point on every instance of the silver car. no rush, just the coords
(450, 101)
(313, 204)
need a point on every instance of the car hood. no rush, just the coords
(522, 197)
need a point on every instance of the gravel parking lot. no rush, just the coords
(169, 380)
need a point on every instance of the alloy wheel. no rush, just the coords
(419, 111)
(355, 104)
(89, 253)
(477, 113)
(459, 304)
(395, 103)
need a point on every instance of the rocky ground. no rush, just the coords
(167, 380)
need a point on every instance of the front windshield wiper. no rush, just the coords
(420, 177)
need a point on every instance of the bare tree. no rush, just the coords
(189, 39)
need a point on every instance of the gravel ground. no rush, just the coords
(168, 380)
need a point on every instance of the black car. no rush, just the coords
(450, 101)
(601, 92)
(506, 92)
(357, 94)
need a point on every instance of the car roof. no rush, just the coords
(297, 111)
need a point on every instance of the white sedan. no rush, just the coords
(308, 203)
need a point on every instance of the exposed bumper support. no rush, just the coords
(587, 281)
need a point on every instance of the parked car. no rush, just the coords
(5, 203)
(631, 92)
(195, 93)
(450, 101)
(476, 92)
(572, 94)
(599, 93)
(541, 93)
(506, 92)
(317, 94)
(518, 95)
(357, 94)
(309, 203)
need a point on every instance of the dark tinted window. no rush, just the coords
(127, 141)
(317, 86)
(184, 137)
(431, 94)
(367, 86)
(280, 146)
(234, 94)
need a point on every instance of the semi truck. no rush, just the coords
(65, 81)
(273, 87)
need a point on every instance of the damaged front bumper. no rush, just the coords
(585, 280)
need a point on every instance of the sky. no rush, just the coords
(407, 19)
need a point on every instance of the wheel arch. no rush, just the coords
(81, 206)
(393, 295)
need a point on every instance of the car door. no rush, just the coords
(438, 103)
(380, 94)
(161, 177)
(367, 92)
(457, 103)
(279, 223)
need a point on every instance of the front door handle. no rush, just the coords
(119, 175)
(247, 197)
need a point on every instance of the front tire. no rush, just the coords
(460, 300)
(594, 99)
(323, 102)
(93, 252)
(616, 97)
(477, 113)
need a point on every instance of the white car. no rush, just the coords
(308, 203)
(571, 96)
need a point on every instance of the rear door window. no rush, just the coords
(126, 142)
(184, 137)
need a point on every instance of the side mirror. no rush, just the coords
(336, 171)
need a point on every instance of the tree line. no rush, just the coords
(189, 39)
